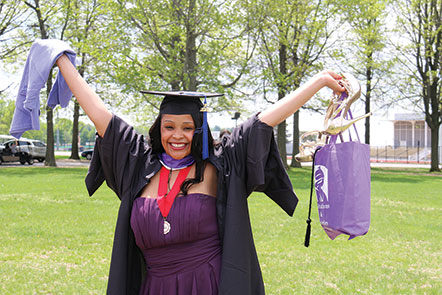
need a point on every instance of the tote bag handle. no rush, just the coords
(333, 138)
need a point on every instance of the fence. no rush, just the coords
(403, 154)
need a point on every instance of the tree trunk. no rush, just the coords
(282, 127)
(434, 149)
(50, 153)
(281, 131)
(294, 163)
(369, 75)
(74, 149)
(190, 60)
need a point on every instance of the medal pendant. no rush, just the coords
(166, 229)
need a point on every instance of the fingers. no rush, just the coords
(334, 75)
(332, 81)
(338, 86)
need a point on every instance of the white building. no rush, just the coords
(411, 130)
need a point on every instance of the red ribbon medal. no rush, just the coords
(165, 200)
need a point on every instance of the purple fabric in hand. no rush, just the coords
(41, 58)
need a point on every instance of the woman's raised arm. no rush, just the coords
(89, 101)
(285, 107)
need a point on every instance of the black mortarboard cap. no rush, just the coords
(187, 102)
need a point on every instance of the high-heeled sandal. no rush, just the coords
(308, 147)
(335, 120)
(340, 124)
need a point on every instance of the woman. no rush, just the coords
(203, 243)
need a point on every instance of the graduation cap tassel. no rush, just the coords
(309, 221)
(308, 233)
(205, 132)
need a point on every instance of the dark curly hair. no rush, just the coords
(195, 149)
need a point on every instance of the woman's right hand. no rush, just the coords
(331, 80)
(285, 107)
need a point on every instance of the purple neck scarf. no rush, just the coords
(171, 163)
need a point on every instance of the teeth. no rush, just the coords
(178, 145)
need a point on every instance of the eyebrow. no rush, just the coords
(171, 121)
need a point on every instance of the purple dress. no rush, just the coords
(187, 260)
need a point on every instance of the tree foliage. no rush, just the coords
(6, 112)
(162, 45)
(293, 37)
(82, 20)
(366, 41)
(13, 16)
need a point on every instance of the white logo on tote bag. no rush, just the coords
(321, 182)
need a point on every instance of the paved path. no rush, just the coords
(60, 163)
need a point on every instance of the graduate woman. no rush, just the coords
(183, 225)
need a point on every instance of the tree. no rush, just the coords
(87, 133)
(190, 45)
(364, 42)
(63, 127)
(82, 19)
(74, 20)
(45, 18)
(293, 36)
(421, 21)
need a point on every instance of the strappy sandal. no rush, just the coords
(335, 120)
(308, 147)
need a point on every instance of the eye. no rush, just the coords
(168, 127)
(188, 128)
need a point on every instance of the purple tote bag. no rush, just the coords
(342, 185)
(341, 175)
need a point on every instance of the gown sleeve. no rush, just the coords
(116, 158)
(255, 156)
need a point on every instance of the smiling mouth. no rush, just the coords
(178, 145)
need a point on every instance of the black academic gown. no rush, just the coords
(246, 161)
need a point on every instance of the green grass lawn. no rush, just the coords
(54, 239)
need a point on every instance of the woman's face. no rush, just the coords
(177, 134)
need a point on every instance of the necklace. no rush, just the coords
(165, 199)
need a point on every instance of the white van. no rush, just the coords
(23, 150)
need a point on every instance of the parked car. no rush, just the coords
(23, 151)
(5, 138)
(87, 154)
